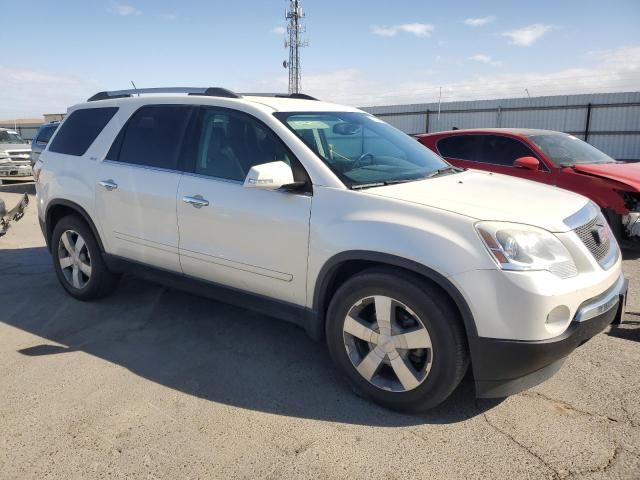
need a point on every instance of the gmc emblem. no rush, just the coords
(600, 234)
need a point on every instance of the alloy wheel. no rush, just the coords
(387, 343)
(74, 259)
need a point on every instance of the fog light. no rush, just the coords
(558, 315)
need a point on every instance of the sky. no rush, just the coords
(361, 53)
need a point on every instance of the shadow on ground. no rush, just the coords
(198, 346)
(28, 188)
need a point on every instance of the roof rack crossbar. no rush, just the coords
(210, 92)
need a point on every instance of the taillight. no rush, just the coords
(37, 168)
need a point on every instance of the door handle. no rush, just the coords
(197, 201)
(109, 184)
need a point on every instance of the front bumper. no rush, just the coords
(505, 367)
(10, 170)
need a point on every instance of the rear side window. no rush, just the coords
(462, 147)
(80, 130)
(153, 136)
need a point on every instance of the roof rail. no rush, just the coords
(299, 96)
(208, 92)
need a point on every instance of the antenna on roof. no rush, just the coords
(134, 86)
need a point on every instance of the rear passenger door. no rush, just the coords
(247, 238)
(137, 186)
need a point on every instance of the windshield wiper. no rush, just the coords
(360, 186)
(444, 171)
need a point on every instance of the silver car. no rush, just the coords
(15, 155)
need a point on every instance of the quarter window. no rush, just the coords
(80, 130)
(152, 136)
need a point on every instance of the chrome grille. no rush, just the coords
(596, 236)
(20, 156)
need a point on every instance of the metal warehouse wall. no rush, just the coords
(608, 121)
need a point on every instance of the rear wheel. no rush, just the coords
(78, 260)
(397, 339)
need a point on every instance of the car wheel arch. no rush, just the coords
(58, 209)
(346, 264)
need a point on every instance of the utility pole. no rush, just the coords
(294, 43)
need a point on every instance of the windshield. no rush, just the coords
(363, 150)
(567, 150)
(10, 137)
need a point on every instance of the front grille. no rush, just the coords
(20, 156)
(596, 236)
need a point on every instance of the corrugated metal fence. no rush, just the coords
(608, 121)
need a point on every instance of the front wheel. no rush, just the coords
(398, 340)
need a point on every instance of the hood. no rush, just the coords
(15, 146)
(628, 173)
(486, 196)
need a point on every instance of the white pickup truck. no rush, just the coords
(15, 156)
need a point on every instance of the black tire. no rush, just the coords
(102, 281)
(615, 223)
(438, 315)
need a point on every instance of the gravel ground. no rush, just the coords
(153, 383)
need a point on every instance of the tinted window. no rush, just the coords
(45, 134)
(153, 136)
(462, 147)
(493, 149)
(504, 150)
(80, 130)
(230, 143)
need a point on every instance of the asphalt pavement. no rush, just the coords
(154, 383)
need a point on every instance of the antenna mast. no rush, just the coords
(295, 42)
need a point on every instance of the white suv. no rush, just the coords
(330, 218)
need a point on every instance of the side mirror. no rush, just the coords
(530, 163)
(269, 176)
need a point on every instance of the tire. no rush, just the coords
(435, 372)
(615, 223)
(84, 276)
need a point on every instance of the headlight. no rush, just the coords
(523, 247)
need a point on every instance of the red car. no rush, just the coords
(550, 157)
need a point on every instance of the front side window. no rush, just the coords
(79, 131)
(566, 150)
(153, 136)
(230, 143)
(363, 150)
(500, 150)
(7, 136)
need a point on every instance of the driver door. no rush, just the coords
(250, 239)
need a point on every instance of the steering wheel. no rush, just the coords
(360, 161)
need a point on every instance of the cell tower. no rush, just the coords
(294, 43)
